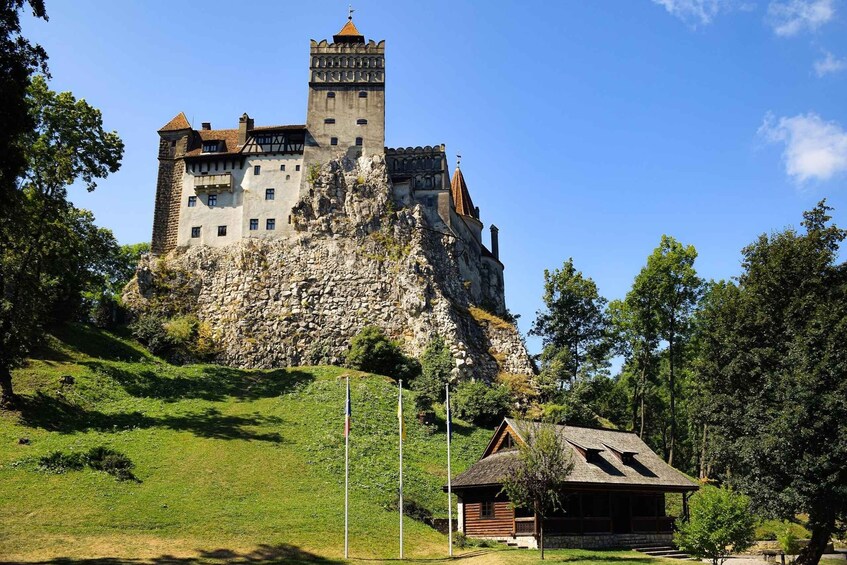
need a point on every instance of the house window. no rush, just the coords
(264, 139)
(254, 224)
(270, 224)
(359, 141)
(269, 194)
(257, 169)
(330, 95)
(296, 167)
(212, 200)
(333, 141)
(361, 122)
(329, 121)
(486, 509)
(221, 231)
(195, 231)
(363, 94)
(192, 201)
(210, 146)
(282, 167)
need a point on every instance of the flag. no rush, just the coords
(347, 412)
(400, 415)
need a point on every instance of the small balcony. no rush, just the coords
(213, 183)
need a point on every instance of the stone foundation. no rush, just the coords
(590, 541)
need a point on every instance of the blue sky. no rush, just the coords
(587, 129)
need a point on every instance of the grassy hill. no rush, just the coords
(235, 466)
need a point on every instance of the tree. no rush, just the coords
(665, 294)
(372, 351)
(772, 366)
(436, 366)
(537, 477)
(19, 59)
(68, 144)
(572, 326)
(719, 525)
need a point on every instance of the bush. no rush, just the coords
(720, 524)
(149, 330)
(480, 403)
(787, 540)
(436, 366)
(58, 462)
(371, 351)
(110, 461)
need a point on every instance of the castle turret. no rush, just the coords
(173, 144)
(346, 110)
(464, 205)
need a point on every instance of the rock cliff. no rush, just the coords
(355, 260)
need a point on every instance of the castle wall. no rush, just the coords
(172, 146)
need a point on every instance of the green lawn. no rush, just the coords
(231, 465)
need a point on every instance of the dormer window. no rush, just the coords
(210, 147)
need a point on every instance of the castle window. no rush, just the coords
(270, 224)
(363, 94)
(254, 224)
(359, 141)
(486, 509)
(221, 231)
(282, 167)
(195, 232)
(264, 139)
(269, 194)
(296, 167)
(330, 95)
(361, 122)
(287, 177)
(257, 169)
(212, 200)
(210, 146)
(329, 121)
(333, 141)
(192, 201)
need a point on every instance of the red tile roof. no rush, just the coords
(461, 197)
(179, 122)
(349, 29)
(228, 137)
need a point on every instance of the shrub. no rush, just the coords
(149, 330)
(720, 524)
(436, 366)
(371, 351)
(480, 403)
(58, 462)
(181, 331)
(110, 461)
(787, 540)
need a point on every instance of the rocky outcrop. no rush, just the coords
(354, 261)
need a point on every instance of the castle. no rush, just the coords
(216, 187)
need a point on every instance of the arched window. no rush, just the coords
(363, 94)
(330, 95)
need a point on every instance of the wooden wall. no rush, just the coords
(502, 524)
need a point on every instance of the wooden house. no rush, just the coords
(615, 495)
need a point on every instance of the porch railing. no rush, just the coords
(657, 525)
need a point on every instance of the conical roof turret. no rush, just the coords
(461, 197)
(349, 33)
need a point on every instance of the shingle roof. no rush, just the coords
(349, 29)
(177, 123)
(461, 197)
(646, 469)
(229, 138)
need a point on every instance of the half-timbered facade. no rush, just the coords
(615, 495)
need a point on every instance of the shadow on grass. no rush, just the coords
(58, 415)
(280, 553)
(215, 383)
(87, 340)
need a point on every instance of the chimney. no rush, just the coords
(206, 126)
(245, 125)
(495, 242)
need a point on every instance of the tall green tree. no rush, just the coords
(666, 292)
(720, 525)
(772, 373)
(68, 144)
(536, 480)
(572, 326)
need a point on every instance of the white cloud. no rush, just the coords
(693, 12)
(814, 149)
(790, 17)
(829, 64)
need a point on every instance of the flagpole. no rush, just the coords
(449, 477)
(400, 415)
(346, 469)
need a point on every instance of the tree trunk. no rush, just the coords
(643, 394)
(541, 538)
(673, 403)
(7, 394)
(822, 527)
(703, 470)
